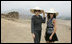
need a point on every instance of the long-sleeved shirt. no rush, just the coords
(36, 22)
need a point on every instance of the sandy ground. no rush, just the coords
(15, 32)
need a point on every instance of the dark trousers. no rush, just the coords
(37, 36)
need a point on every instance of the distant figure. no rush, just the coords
(50, 35)
(36, 23)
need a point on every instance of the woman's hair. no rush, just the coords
(48, 15)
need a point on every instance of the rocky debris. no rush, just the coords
(11, 15)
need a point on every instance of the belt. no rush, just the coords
(49, 27)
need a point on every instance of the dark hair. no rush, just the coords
(36, 11)
(48, 15)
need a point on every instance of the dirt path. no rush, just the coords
(14, 32)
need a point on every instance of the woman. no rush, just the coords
(50, 35)
(36, 23)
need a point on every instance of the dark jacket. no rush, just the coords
(36, 22)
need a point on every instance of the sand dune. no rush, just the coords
(16, 32)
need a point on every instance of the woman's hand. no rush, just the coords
(33, 35)
(50, 37)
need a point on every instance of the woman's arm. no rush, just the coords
(32, 24)
(44, 18)
(43, 14)
(32, 27)
(54, 22)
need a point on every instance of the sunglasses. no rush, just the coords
(37, 11)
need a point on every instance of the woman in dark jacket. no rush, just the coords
(36, 24)
(50, 35)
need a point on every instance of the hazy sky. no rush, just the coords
(63, 7)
